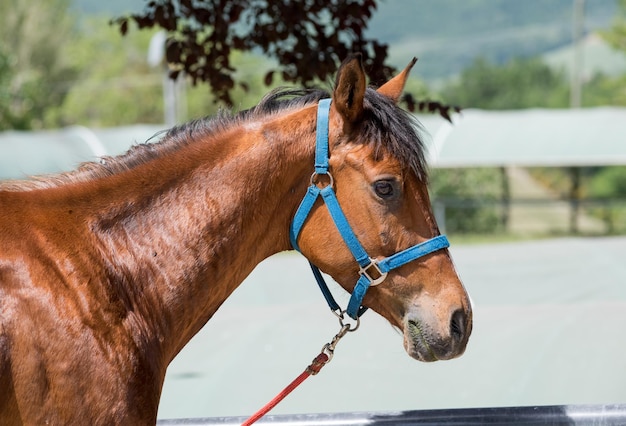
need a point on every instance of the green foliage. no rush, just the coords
(604, 90)
(609, 182)
(419, 89)
(521, 83)
(603, 192)
(616, 35)
(115, 85)
(463, 192)
(6, 116)
(88, 74)
(558, 179)
(33, 70)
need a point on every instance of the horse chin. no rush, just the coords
(424, 344)
(416, 343)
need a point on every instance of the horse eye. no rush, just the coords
(384, 188)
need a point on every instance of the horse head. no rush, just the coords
(377, 170)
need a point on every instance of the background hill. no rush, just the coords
(448, 34)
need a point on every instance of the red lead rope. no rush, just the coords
(321, 360)
(311, 370)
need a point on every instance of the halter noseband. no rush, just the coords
(372, 271)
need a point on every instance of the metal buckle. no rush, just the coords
(380, 274)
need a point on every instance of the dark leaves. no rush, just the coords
(307, 39)
(123, 23)
(432, 107)
(173, 51)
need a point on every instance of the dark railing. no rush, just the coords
(575, 415)
(606, 214)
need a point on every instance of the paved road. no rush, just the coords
(550, 328)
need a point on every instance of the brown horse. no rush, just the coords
(108, 271)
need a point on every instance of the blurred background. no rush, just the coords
(64, 65)
(528, 180)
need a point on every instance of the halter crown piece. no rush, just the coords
(372, 271)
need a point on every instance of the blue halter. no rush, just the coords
(372, 271)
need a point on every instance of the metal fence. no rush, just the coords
(582, 415)
(532, 216)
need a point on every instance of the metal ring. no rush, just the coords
(330, 177)
(352, 327)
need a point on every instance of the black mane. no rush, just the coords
(395, 131)
(387, 126)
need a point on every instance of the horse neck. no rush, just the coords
(184, 231)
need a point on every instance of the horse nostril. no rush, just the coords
(457, 325)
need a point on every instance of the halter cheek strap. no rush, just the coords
(372, 271)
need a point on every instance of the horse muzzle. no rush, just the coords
(431, 336)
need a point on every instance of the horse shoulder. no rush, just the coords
(65, 364)
(65, 356)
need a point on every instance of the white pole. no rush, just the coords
(577, 33)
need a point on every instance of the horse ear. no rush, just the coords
(350, 89)
(393, 88)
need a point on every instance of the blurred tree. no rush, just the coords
(33, 72)
(115, 85)
(470, 196)
(604, 90)
(6, 116)
(521, 83)
(609, 185)
(609, 182)
(306, 39)
(616, 35)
